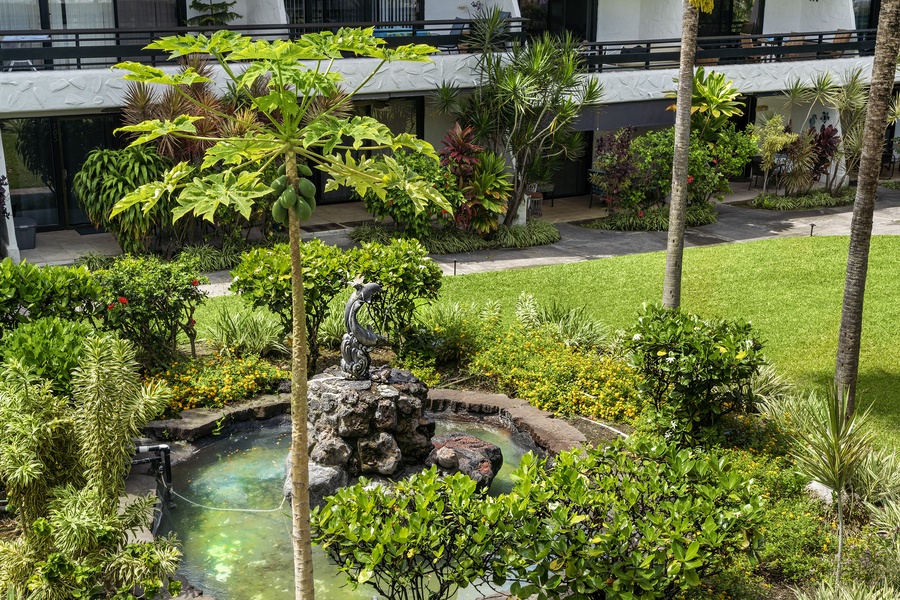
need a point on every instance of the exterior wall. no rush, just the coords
(8, 243)
(801, 15)
(87, 91)
(638, 20)
(438, 10)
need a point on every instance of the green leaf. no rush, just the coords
(204, 196)
(155, 128)
(150, 193)
(148, 74)
(222, 42)
(237, 151)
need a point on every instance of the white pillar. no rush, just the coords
(8, 243)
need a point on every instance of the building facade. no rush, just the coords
(59, 99)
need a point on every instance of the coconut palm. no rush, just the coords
(884, 67)
(675, 243)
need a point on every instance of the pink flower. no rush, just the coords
(123, 300)
(690, 179)
(640, 213)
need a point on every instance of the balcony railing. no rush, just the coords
(735, 49)
(96, 48)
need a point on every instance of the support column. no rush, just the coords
(8, 243)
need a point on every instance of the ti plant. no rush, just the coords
(299, 122)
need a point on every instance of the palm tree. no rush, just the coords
(675, 245)
(884, 67)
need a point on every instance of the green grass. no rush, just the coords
(790, 289)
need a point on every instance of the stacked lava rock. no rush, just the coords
(372, 427)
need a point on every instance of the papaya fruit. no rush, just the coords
(303, 211)
(280, 184)
(279, 213)
(282, 169)
(288, 198)
(306, 188)
(304, 170)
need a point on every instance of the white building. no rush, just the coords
(59, 99)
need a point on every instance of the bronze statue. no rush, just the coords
(358, 339)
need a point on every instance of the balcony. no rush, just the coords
(99, 48)
(41, 50)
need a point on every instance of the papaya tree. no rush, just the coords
(300, 121)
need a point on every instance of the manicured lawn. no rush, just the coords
(790, 289)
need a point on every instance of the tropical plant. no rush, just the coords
(713, 103)
(830, 443)
(151, 302)
(63, 461)
(212, 12)
(491, 188)
(571, 326)
(29, 292)
(772, 140)
(301, 125)
(49, 347)
(263, 278)
(245, 331)
(662, 518)
(617, 170)
(106, 177)
(884, 69)
(694, 370)
(4, 185)
(525, 101)
(400, 206)
(423, 539)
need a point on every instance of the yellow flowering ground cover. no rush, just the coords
(557, 378)
(217, 380)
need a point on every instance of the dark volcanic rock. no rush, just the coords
(476, 458)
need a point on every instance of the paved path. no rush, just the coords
(735, 224)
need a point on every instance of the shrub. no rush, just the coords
(655, 218)
(263, 278)
(28, 292)
(810, 200)
(106, 177)
(408, 278)
(534, 366)
(571, 326)
(50, 347)
(245, 331)
(449, 240)
(618, 172)
(150, 302)
(798, 538)
(411, 219)
(444, 333)
(638, 521)
(424, 538)
(209, 258)
(696, 370)
(214, 381)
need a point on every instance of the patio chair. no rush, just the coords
(456, 30)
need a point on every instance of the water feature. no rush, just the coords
(248, 555)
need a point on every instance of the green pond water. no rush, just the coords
(248, 555)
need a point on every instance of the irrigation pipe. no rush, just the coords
(605, 426)
(250, 510)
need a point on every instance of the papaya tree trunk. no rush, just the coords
(304, 588)
(675, 241)
(884, 67)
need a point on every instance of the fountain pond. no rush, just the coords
(236, 555)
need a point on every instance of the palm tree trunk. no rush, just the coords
(302, 540)
(884, 67)
(675, 244)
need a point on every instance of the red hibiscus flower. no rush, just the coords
(690, 179)
(123, 300)
(195, 282)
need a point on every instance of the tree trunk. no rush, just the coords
(303, 568)
(675, 243)
(884, 67)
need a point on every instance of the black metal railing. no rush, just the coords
(734, 49)
(96, 48)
